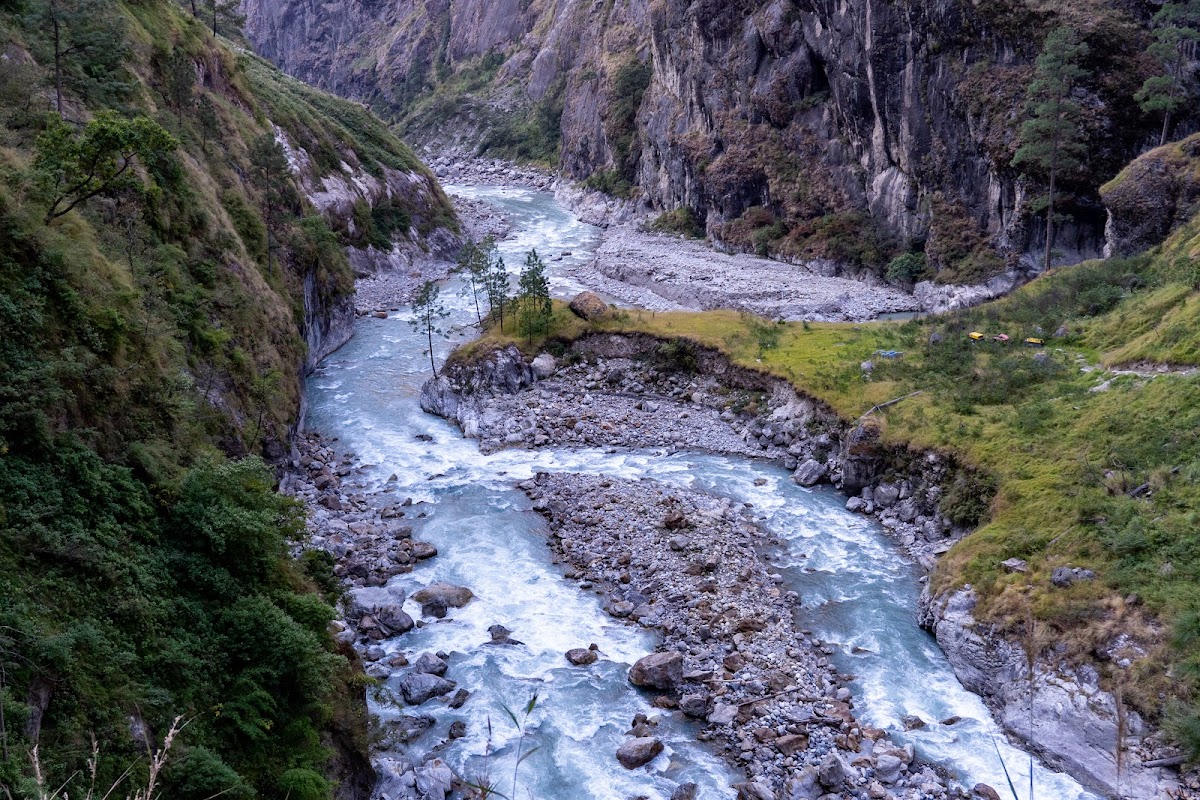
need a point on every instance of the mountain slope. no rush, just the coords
(158, 327)
(846, 131)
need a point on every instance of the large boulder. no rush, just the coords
(434, 780)
(453, 596)
(809, 473)
(543, 366)
(658, 671)
(420, 687)
(587, 305)
(430, 664)
(638, 752)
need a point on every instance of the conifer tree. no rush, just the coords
(534, 307)
(496, 287)
(1177, 29)
(1051, 139)
(270, 173)
(428, 312)
(475, 261)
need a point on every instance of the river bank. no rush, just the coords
(627, 391)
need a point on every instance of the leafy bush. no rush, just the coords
(682, 221)
(907, 268)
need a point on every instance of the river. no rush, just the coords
(858, 591)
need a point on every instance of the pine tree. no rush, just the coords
(1177, 28)
(1051, 140)
(475, 261)
(534, 307)
(86, 43)
(209, 122)
(495, 284)
(179, 81)
(224, 16)
(428, 312)
(271, 175)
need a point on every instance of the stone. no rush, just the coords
(662, 671)
(1015, 565)
(1063, 577)
(810, 473)
(888, 768)
(803, 785)
(409, 728)
(423, 550)
(543, 366)
(913, 722)
(459, 699)
(674, 521)
(582, 656)
(723, 714)
(856, 504)
(876, 791)
(436, 608)
(458, 729)
(430, 664)
(792, 743)
(685, 791)
(867, 367)
(694, 705)
(502, 636)
(638, 752)
(453, 596)
(588, 306)
(420, 687)
(434, 780)
(984, 792)
(886, 495)
(832, 772)
(394, 620)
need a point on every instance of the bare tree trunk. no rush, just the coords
(58, 83)
(1050, 219)
(1166, 126)
(429, 335)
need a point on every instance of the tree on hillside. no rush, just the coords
(533, 298)
(1051, 139)
(495, 284)
(1177, 29)
(85, 40)
(208, 120)
(72, 168)
(271, 175)
(428, 312)
(475, 260)
(179, 81)
(223, 16)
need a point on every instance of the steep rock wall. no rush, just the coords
(890, 115)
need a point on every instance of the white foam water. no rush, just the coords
(857, 590)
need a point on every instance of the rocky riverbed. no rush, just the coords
(634, 391)
(688, 565)
(663, 272)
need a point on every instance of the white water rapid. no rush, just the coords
(857, 589)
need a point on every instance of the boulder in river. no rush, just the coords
(587, 305)
(685, 791)
(658, 671)
(453, 596)
(394, 619)
(430, 665)
(638, 752)
(502, 635)
(984, 792)
(420, 687)
(434, 780)
(582, 656)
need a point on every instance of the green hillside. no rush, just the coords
(154, 254)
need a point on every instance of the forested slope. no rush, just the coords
(164, 283)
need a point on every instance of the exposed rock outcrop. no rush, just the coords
(904, 114)
(1074, 725)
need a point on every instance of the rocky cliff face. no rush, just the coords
(804, 128)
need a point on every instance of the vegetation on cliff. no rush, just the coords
(160, 271)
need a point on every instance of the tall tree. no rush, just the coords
(534, 307)
(179, 81)
(1051, 139)
(1176, 30)
(208, 120)
(475, 260)
(86, 42)
(224, 16)
(428, 312)
(495, 284)
(98, 161)
(272, 177)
